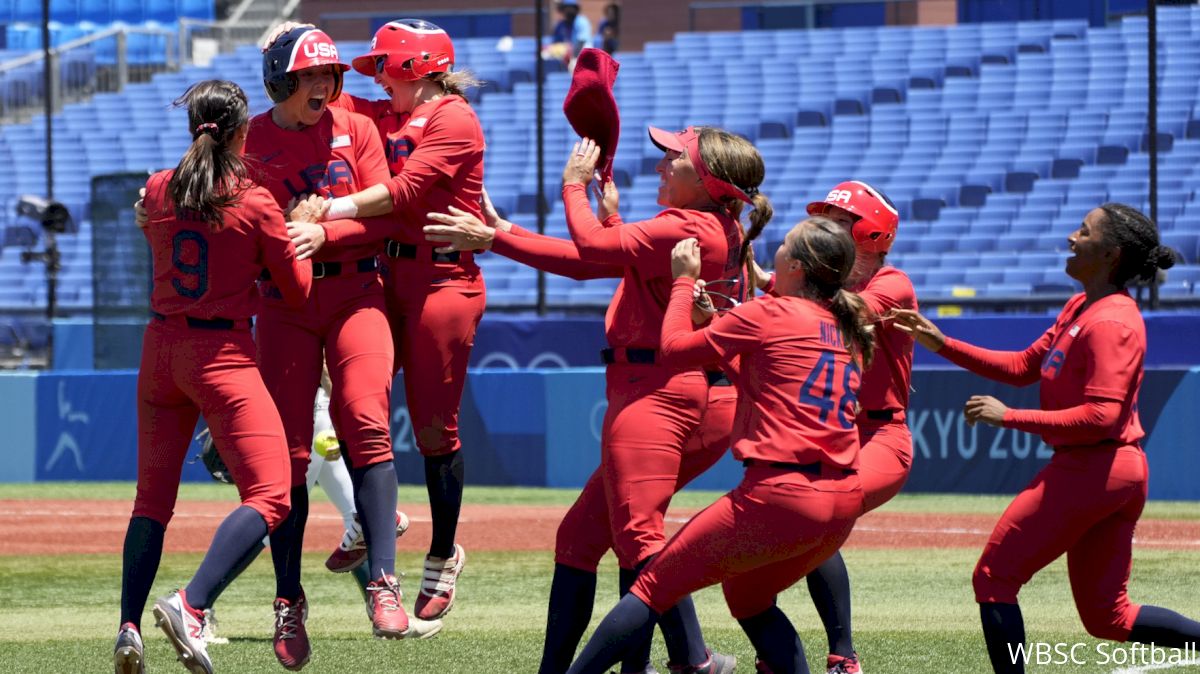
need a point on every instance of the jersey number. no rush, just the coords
(821, 379)
(199, 268)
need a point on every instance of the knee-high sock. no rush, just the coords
(637, 658)
(680, 628)
(630, 622)
(572, 593)
(775, 641)
(141, 556)
(829, 586)
(287, 542)
(375, 489)
(1164, 627)
(444, 482)
(241, 565)
(1003, 631)
(239, 535)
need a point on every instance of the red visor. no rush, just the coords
(688, 141)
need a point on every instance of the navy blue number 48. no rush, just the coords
(825, 372)
(198, 269)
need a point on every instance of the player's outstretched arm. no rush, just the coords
(1016, 368)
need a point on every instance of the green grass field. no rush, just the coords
(914, 610)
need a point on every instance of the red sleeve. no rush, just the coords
(1093, 418)
(551, 255)
(372, 170)
(769, 288)
(451, 140)
(362, 106)
(681, 344)
(645, 245)
(293, 277)
(891, 290)
(1116, 357)
(1016, 368)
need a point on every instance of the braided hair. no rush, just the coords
(1136, 235)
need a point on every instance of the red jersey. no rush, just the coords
(435, 155)
(1088, 356)
(206, 274)
(797, 385)
(885, 385)
(634, 317)
(338, 156)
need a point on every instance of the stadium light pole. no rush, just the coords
(540, 70)
(47, 96)
(1152, 120)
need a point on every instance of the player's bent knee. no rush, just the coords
(992, 589)
(742, 607)
(1112, 624)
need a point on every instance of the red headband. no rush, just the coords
(689, 141)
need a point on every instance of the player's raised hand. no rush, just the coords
(581, 165)
(303, 227)
(459, 230)
(702, 304)
(986, 409)
(685, 259)
(308, 209)
(280, 30)
(139, 209)
(608, 199)
(922, 329)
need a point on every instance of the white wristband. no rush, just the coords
(340, 208)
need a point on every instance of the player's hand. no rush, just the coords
(491, 217)
(685, 259)
(581, 165)
(139, 209)
(308, 209)
(922, 329)
(307, 237)
(702, 304)
(608, 198)
(986, 409)
(761, 276)
(459, 230)
(281, 29)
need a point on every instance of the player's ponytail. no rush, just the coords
(211, 176)
(826, 253)
(457, 82)
(736, 161)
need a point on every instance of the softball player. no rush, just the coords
(305, 146)
(434, 146)
(797, 380)
(211, 231)
(1087, 500)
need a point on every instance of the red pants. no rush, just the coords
(186, 372)
(884, 461)
(759, 539)
(344, 322)
(434, 310)
(1085, 503)
(653, 442)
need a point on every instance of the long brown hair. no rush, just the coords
(210, 177)
(457, 82)
(736, 161)
(826, 252)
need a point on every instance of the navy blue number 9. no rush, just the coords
(199, 268)
(824, 370)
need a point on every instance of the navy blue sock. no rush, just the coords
(242, 564)
(141, 556)
(444, 482)
(361, 578)
(287, 543)
(775, 641)
(239, 535)
(1164, 627)
(829, 586)
(375, 493)
(572, 593)
(630, 622)
(681, 631)
(637, 658)
(1003, 631)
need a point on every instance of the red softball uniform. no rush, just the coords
(653, 409)
(344, 322)
(886, 455)
(800, 495)
(434, 301)
(1087, 500)
(198, 356)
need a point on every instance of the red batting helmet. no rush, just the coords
(875, 229)
(408, 49)
(295, 50)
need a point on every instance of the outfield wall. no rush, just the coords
(542, 428)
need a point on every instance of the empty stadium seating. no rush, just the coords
(994, 140)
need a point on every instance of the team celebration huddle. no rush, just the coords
(304, 256)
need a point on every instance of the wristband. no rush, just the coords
(341, 208)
